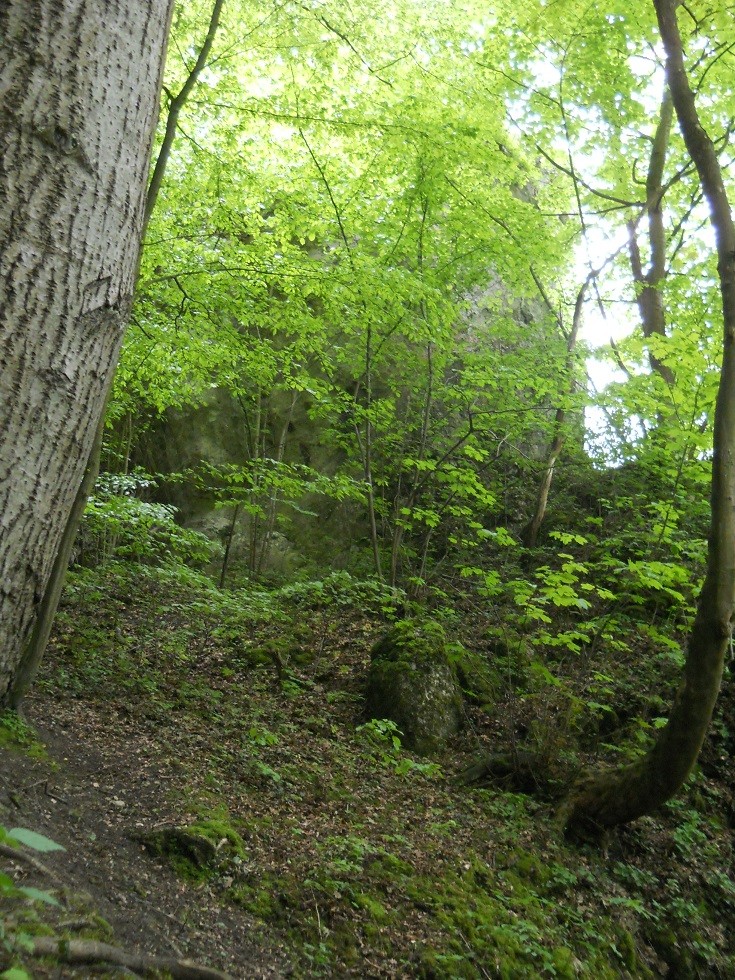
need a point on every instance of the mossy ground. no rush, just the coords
(361, 860)
(17, 736)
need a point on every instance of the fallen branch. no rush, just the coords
(91, 951)
(17, 855)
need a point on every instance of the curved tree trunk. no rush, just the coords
(79, 84)
(623, 795)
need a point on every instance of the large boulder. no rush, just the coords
(413, 682)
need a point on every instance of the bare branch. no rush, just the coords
(91, 951)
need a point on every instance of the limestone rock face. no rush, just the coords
(413, 683)
(216, 433)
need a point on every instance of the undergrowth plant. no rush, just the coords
(119, 523)
(14, 937)
(382, 737)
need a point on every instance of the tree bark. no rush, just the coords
(624, 795)
(648, 284)
(79, 83)
(32, 655)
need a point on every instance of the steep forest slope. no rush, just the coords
(354, 437)
(334, 851)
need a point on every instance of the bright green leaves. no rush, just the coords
(13, 937)
(565, 537)
(366, 226)
(32, 839)
(667, 578)
(345, 214)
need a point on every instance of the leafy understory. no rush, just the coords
(354, 398)
(353, 856)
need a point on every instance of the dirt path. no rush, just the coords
(100, 783)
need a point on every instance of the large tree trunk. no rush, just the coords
(624, 795)
(79, 84)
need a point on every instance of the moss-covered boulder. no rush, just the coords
(413, 682)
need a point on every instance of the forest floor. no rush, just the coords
(336, 853)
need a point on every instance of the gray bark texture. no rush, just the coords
(79, 87)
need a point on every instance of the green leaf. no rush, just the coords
(37, 842)
(6, 883)
(37, 895)
(566, 538)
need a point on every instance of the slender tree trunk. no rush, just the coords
(272, 513)
(257, 454)
(228, 546)
(529, 535)
(176, 104)
(79, 84)
(367, 453)
(648, 284)
(626, 794)
(410, 500)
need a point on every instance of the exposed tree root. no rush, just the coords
(518, 772)
(91, 951)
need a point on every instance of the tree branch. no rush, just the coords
(175, 106)
(91, 951)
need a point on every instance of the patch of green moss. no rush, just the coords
(479, 681)
(185, 862)
(331, 912)
(375, 909)
(270, 898)
(387, 869)
(17, 736)
(432, 965)
(260, 656)
(219, 830)
(343, 940)
(501, 922)
(198, 850)
(94, 926)
(531, 867)
(626, 947)
(412, 643)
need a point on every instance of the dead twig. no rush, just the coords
(18, 855)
